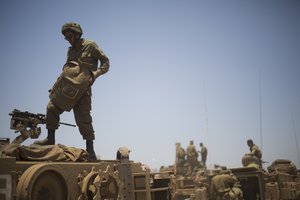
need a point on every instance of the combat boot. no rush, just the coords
(50, 140)
(90, 150)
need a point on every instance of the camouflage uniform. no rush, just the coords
(255, 151)
(223, 187)
(180, 155)
(87, 55)
(72, 90)
(191, 156)
(203, 153)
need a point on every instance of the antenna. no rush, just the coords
(205, 109)
(260, 113)
(295, 133)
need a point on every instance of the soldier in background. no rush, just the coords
(83, 55)
(203, 153)
(255, 151)
(179, 159)
(224, 186)
(192, 156)
(180, 155)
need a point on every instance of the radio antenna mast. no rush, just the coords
(260, 112)
(296, 139)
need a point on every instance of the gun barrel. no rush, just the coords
(67, 124)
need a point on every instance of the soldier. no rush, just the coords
(254, 151)
(203, 153)
(180, 155)
(192, 156)
(224, 186)
(83, 55)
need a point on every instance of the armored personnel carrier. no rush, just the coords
(281, 181)
(30, 173)
(25, 176)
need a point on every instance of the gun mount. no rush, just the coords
(27, 124)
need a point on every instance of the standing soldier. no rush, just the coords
(180, 155)
(192, 156)
(203, 153)
(72, 89)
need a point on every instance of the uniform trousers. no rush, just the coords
(82, 114)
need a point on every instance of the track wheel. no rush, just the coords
(42, 182)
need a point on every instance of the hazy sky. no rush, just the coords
(180, 71)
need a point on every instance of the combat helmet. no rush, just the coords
(71, 26)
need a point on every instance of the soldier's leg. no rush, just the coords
(83, 118)
(52, 123)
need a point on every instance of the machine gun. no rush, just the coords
(27, 124)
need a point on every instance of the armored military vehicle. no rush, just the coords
(25, 176)
(281, 181)
(56, 172)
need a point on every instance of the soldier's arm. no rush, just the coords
(254, 150)
(68, 55)
(104, 62)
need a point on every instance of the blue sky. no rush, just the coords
(180, 71)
